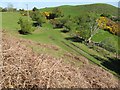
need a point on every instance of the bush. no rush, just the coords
(26, 26)
(34, 9)
(41, 19)
(57, 12)
(38, 17)
(58, 23)
(4, 10)
(109, 25)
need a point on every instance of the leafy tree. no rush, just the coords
(21, 10)
(41, 19)
(26, 26)
(86, 26)
(83, 32)
(38, 17)
(70, 26)
(34, 15)
(57, 12)
(59, 22)
(4, 10)
(34, 9)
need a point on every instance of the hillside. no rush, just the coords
(22, 67)
(82, 9)
(49, 57)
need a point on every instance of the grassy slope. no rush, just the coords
(9, 20)
(102, 35)
(95, 8)
(47, 35)
(57, 38)
(82, 9)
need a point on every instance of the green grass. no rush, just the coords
(10, 19)
(82, 9)
(102, 35)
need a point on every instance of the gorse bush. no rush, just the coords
(26, 26)
(55, 13)
(109, 25)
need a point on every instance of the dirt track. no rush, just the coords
(24, 68)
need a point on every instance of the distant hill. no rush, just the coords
(82, 9)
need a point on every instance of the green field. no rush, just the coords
(48, 35)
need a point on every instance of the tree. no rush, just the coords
(59, 22)
(21, 10)
(34, 15)
(38, 17)
(26, 26)
(86, 26)
(34, 9)
(41, 19)
(57, 12)
(93, 25)
(4, 10)
(83, 32)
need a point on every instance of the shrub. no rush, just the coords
(57, 12)
(41, 19)
(109, 25)
(34, 9)
(4, 10)
(38, 17)
(56, 23)
(26, 26)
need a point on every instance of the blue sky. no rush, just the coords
(51, 3)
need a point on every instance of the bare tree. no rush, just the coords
(93, 25)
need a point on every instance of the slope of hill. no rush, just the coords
(58, 62)
(48, 35)
(82, 9)
(24, 68)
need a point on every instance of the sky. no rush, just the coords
(51, 3)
